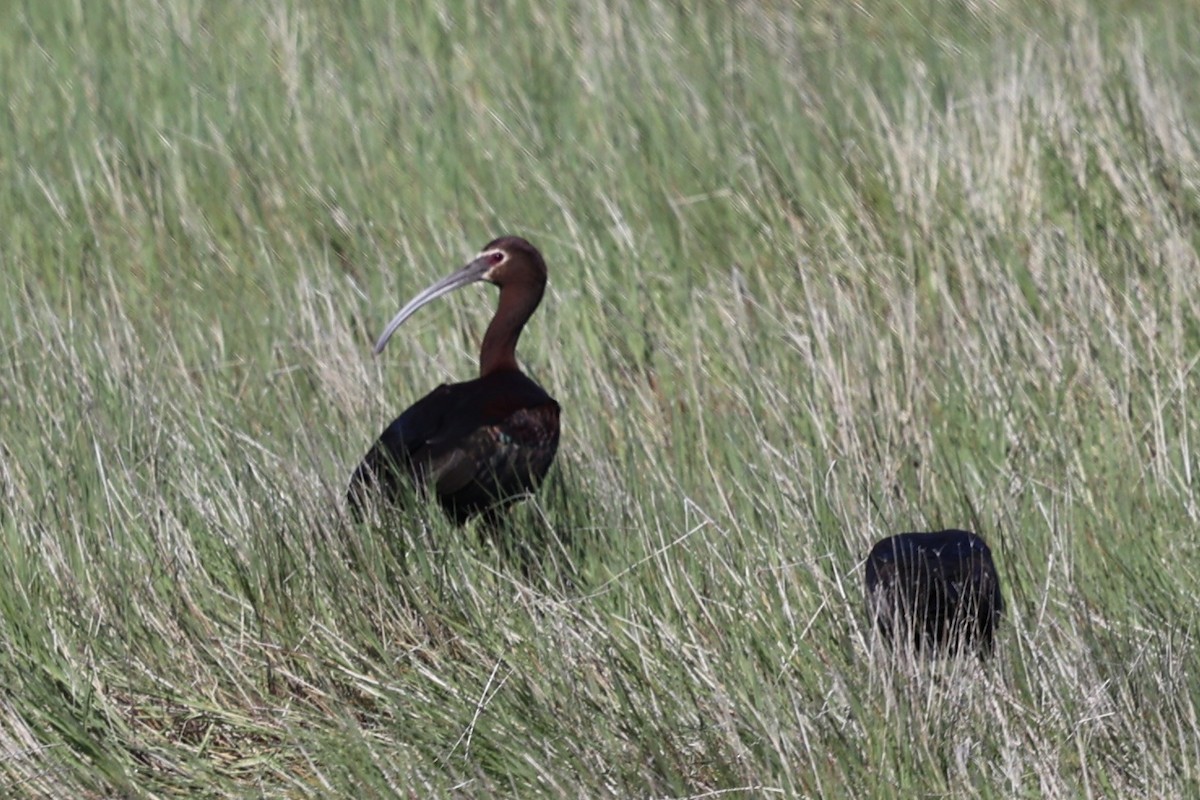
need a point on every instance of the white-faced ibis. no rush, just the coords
(938, 590)
(481, 444)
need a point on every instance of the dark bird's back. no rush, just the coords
(939, 590)
(477, 445)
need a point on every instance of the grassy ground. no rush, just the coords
(817, 276)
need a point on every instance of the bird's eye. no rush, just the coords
(495, 257)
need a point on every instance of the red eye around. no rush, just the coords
(495, 258)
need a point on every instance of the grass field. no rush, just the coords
(818, 275)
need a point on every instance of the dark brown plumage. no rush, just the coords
(480, 444)
(938, 590)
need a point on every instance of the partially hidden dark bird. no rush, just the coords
(937, 590)
(481, 444)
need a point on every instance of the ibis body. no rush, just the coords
(937, 590)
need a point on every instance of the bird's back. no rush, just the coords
(941, 585)
(477, 445)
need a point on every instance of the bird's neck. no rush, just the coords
(499, 350)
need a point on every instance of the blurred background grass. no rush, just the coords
(819, 273)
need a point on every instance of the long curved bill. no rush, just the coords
(472, 272)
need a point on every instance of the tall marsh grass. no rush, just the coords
(817, 276)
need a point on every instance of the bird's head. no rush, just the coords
(507, 261)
